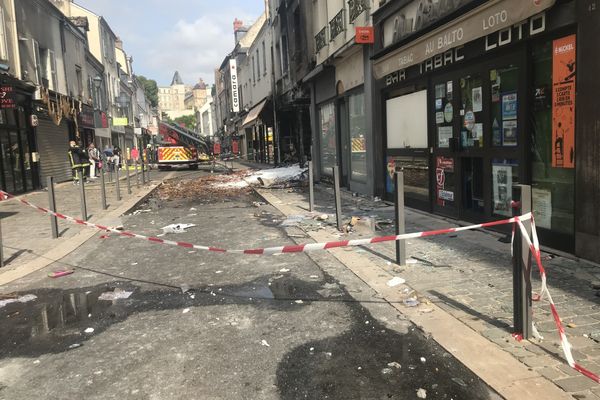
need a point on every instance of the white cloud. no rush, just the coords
(194, 48)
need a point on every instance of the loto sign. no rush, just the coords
(365, 35)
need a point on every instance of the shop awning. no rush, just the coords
(254, 113)
(490, 17)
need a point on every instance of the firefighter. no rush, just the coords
(79, 162)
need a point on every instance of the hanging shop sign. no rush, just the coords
(7, 97)
(235, 148)
(235, 95)
(365, 35)
(120, 121)
(563, 102)
(217, 148)
(490, 18)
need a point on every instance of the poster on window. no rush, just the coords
(444, 165)
(509, 106)
(444, 136)
(563, 102)
(502, 189)
(477, 99)
(542, 207)
(509, 133)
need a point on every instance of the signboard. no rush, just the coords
(7, 97)
(120, 121)
(217, 148)
(235, 148)
(365, 35)
(235, 95)
(443, 165)
(490, 17)
(502, 181)
(563, 102)
(542, 207)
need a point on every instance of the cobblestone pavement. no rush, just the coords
(469, 275)
(27, 233)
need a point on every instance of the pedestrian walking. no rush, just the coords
(79, 162)
(117, 158)
(95, 160)
(135, 154)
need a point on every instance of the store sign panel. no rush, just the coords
(491, 17)
(7, 97)
(564, 74)
(235, 92)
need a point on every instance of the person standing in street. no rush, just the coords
(108, 155)
(94, 158)
(135, 154)
(117, 158)
(79, 162)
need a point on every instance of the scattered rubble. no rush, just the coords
(8, 299)
(176, 228)
(422, 393)
(396, 281)
(116, 294)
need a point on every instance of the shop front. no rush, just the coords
(18, 160)
(484, 100)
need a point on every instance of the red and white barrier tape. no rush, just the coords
(273, 250)
(534, 246)
(532, 241)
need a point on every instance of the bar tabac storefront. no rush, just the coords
(476, 96)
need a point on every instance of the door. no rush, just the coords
(479, 145)
(343, 142)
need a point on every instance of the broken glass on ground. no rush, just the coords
(176, 228)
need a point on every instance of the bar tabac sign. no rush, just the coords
(490, 17)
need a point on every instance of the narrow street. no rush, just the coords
(212, 326)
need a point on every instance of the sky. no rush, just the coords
(191, 36)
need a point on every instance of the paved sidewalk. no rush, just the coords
(469, 275)
(27, 233)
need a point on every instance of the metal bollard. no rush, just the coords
(338, 197)
(400, 220)
(143, 172)
(128, 178)
(148, 172)
(522, 302)
(137, 175)
(52, 207)
(118, 183)
(103, 189)
(311, 187)
(84, 214)
(1, 246)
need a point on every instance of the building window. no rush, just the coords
(49, 72)
(337, 25)
(79, 75)
(358, 137)
(328, 138)
(37, 61)
(258, 64)
(253, 71)
(264, 57)
(3, 42)
(285, 61)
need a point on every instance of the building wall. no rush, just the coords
(257, 86)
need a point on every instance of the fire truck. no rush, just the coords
(180, 147)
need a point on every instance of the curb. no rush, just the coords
(506, 375)
(69, 245)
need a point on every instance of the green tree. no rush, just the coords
(189, 121)
(150, 90)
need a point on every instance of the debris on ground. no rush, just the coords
(422, 393)
(394, 364)
(284, 270)
(59, 274)
(8, 299)
(116, 294)
(264, 343)
(284, 177)
(322, 217)
(411, 302)
(386, 371)
(185, 311)
(138, 212)
(176, 228)
(89, 330)
(423, 360)
(258, 203)
(396, 281)
(74, 346)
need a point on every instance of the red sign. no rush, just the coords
(235, 147)
(563, 102)
(365, 35)
(104, 120)
(7, 99)
(217, 148)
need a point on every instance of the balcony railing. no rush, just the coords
(321, 39)
(337, 25)
(356, 7)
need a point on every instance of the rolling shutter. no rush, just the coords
(52, 144)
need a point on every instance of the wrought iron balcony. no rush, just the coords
(337, 25)
(356, 7)
(321, 39)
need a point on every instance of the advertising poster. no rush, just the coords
(509, 133)
(444, 165)
(563, 102)
(502, 189)
(444, 135)
(478, 134)
(439, 117)
(477, 99)
(542, 207)
(509, 106)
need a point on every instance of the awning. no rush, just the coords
(490, 17)
(254, 113)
